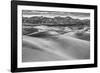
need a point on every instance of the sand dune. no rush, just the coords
(52, 48)
(82, 36)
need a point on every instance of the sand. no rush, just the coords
(52, 48)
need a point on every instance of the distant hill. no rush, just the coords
(54, 21)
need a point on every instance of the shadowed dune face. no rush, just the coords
(81, 36)
(52, 48)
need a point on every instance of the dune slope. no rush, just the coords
(54, 48)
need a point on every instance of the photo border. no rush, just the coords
(14, 33)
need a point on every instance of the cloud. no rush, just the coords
(54, 13)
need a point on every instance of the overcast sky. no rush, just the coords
(30, 13)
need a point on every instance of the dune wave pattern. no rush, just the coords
(52, 48)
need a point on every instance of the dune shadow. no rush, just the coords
(83, 36)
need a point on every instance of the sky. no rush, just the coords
(77, 15)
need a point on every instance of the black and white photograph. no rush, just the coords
(54, 36)
(50, 36)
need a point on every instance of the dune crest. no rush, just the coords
(54, 48)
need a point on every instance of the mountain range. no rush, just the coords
(54, 21)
